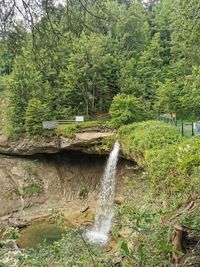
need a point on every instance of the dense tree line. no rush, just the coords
(76, 57)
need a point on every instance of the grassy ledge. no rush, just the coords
(71, 129)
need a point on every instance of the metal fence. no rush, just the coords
(186, 128)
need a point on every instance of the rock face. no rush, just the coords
(55, 173)
(84, 141)
(32, 186)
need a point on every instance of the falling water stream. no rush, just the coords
(102, 224)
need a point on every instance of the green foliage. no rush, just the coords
(192, 94)
(31, 189)
(76, 64)
(71, 129)
(26, 83)
(72, 250)
(145, 240)
(132, 29)
(126, 109)
(149, 69)
(36, 113)
(151, 143)
(83, 193)
(68, 130)
(90, 73)
(191, 219)
(128, 79)
(105, 144)
(178, 166)
(136, 48)
(137, 138)
(12, 233)
(185, 44)
(168, 98)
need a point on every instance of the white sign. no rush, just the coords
(79, 118)
(49, 124)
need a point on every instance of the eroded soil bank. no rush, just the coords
(68, 183)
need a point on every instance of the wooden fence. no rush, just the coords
(53, 124)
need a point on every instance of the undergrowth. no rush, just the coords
(137, 138)
(71, 129)
(172, 162)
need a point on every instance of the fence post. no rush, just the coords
(182, 128)
(192, 128)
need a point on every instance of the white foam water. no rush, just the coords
(103, 219)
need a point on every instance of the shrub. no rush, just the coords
(105, 144)
(83, 193)
(126, 109)
(178, 168)
(172, 162)
(36, 113)
(137, 138)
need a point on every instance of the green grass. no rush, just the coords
(32, 189)
(137, 138)
(187, 126)
(71, 129)
(169, 159)
(105, 144)
(104, 121)
(178, 166)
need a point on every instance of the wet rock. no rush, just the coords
(19, 224)
(119, 200)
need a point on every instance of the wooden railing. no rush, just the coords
(64, 122)
(78, 119)
(103, 116)
(53, 124)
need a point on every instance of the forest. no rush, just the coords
(61, 60)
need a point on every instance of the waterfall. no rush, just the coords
(103, 218)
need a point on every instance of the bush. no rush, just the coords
(126, 109)
(172, 162)
(72, 250)
(178, 168)
(137, 138)
(36, 113)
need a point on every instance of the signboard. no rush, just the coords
(79, 118)
(49, 124)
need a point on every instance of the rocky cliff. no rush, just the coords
(50, 173)
(91, 140)
(69, 181)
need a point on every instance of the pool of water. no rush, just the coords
(39, 233)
